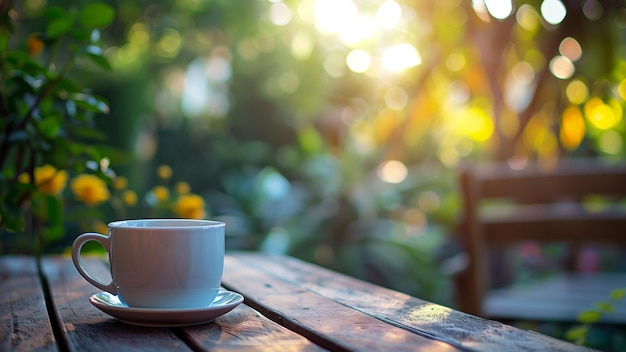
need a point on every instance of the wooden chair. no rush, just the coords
(504, 206)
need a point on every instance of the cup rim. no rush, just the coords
(164, 224)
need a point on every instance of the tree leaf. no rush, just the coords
(577, 334)
(589, 316)
(91, 103)
(605, 307)
(96, 15)
(49, 126)
(618, 294)
(94, 53)
(59, 26)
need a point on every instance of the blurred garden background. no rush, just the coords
(330, 130)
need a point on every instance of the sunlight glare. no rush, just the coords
(553, 11)
(400, 57)
(363, 27)
(388, 14)
(332, 16)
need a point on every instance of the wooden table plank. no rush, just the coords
(24, 324)
(324, 321)
(460, 329)
(86, 328)
(242, 329)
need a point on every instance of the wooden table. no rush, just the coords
(289, 305)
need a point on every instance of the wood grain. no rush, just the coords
(244, 329)
(86, 328)
(455, 328)
(270, 288)
(24, 324)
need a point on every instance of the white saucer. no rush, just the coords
(110, 304)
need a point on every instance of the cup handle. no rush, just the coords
(105, 241)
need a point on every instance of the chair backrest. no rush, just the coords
(535, 203)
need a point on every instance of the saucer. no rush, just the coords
(110, 304)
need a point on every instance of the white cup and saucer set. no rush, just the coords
(165, 272)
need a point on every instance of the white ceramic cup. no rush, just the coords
(160, 263)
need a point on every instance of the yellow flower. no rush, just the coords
(183, 187)
(129, 198)
(90, 189)
(190, 206)
(48, 179)
(164, 172)
(161, 193)
(120, 183)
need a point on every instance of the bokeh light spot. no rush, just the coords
(455, 61)
(392, 171)
(301, 45)
(499, 9)
(527, 17)
(429, 201)
(289, 82)
(562, 67)
(170, 43)
(280, 14)
(332, 16)
(400, 57)
(610, 142)
(572, 128)
(553, 11)
(396, 98)
(388, 14)
(358, 60)
(577, 92)
(571, 49)
(593, 9)
(602, 116)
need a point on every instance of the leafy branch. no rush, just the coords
(46, 115)
(579, 334)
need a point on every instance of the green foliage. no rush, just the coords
(48, 117)
(579, 334)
